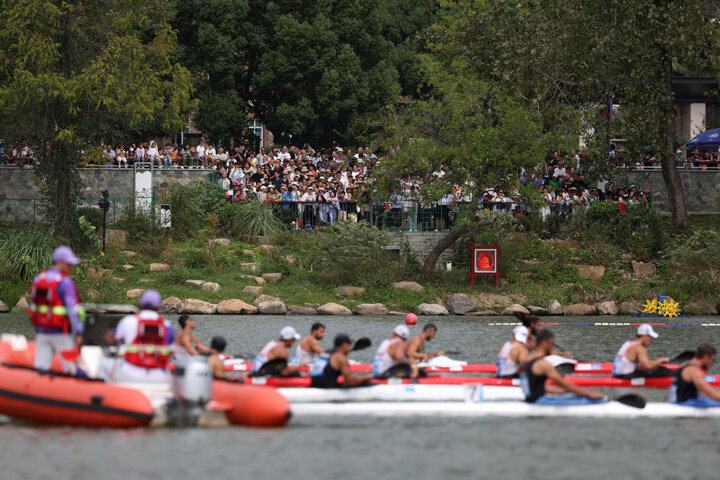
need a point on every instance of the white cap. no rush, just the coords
(521, 333)
(646, 329)
(402, 331)
(289, 333)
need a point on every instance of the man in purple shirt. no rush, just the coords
(55, 311)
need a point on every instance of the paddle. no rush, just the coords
(361, 344)
(683, 357)
(631, 400)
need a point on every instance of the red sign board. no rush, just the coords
(484, 262)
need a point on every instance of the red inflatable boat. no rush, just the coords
(52, 397)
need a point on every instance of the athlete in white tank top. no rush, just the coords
(382, 362)
(262, 357)
(505, 365)
(302, 357)
(621, 365)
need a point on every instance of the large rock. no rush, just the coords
(460, 305)
(121, 308)
(264, 298)
(580, 309)
(170, 305)
(258, 280)
(159, 267)
(644, 269)
(254, 290)
(554, 307)
(495, 301)
(273, 307)
(128, 254)
(607, 307)
(250, 267)
(411, 286)
(295, 310)
(591, 271)
(115, 238)
(195, 306)
(210, 287)
(370, 309)
(236, 307)
(515, 308)
(333, 308)
(630, 307)
(21, 305)
(272, 277)
(312, 305)
(482, 313)
(431, 309)
(3, 307)
(194, 283)
(347, 291)
(538, 311)
(127, 267)
(219, 242)
(702, 308)
(134, 293)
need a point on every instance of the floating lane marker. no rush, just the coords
(607, 324)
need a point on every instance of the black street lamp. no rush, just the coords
(104, 205)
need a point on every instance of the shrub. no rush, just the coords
(92, 215)
(694, 265)
(24, 252)
(12, 290)
(139, 223)
(190, 204)
(251, 219)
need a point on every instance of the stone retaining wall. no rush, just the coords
(702, 189)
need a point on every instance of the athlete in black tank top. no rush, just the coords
(533, 385)
(329, 377)
(683, 390)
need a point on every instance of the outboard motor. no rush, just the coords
(192, 385)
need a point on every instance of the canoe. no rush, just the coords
(597, 382)
(496, 409)
(403, 393)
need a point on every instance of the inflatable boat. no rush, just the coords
(57, 398)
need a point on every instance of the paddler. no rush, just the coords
(186, 339)
(273, 358)
(309, 346)
(147, 338)
(55, 311)
(689, 386)
(536, 371)
(391, 358)
(416, 345)
(514, 353)
(632, 359)
(339, 364)
(532, 323)
(215, 357)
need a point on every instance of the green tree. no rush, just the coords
(568, 60)
(73, 72)
(305, 68)
(480, 134)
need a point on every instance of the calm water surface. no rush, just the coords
(424, 448)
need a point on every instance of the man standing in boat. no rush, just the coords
(391, 358)
(514, 353)
(536, 371)
(309, 345)
(416, 345)
(632, 359)
(273, 358)
(690, 387)
(146, 337)
(55, 311)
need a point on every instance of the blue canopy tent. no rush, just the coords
(709, 139)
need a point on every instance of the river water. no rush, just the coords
(394, 448)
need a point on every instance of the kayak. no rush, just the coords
(403, 393)
(597, 382)
(498, 409)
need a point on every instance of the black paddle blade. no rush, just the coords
(684, 357)
(362, 343)
(632, 400)
(566, 368)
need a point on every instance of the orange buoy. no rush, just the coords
(251, 405)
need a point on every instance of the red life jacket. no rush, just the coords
(46, 307)
(149, 349)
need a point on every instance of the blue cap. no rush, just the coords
(65, 254)
(150, 299)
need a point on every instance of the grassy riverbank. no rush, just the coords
(312, 265)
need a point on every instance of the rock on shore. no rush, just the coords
(193, 305)
(333, 308)
(236, 307)
(370, 309)
(431, 309)
(460, 305)
(272, 307)
(580, 309)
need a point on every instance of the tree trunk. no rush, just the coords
(673, 182)
(428, 268)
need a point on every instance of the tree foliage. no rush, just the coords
(73, 72)
(304, 68)
(568, 60)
